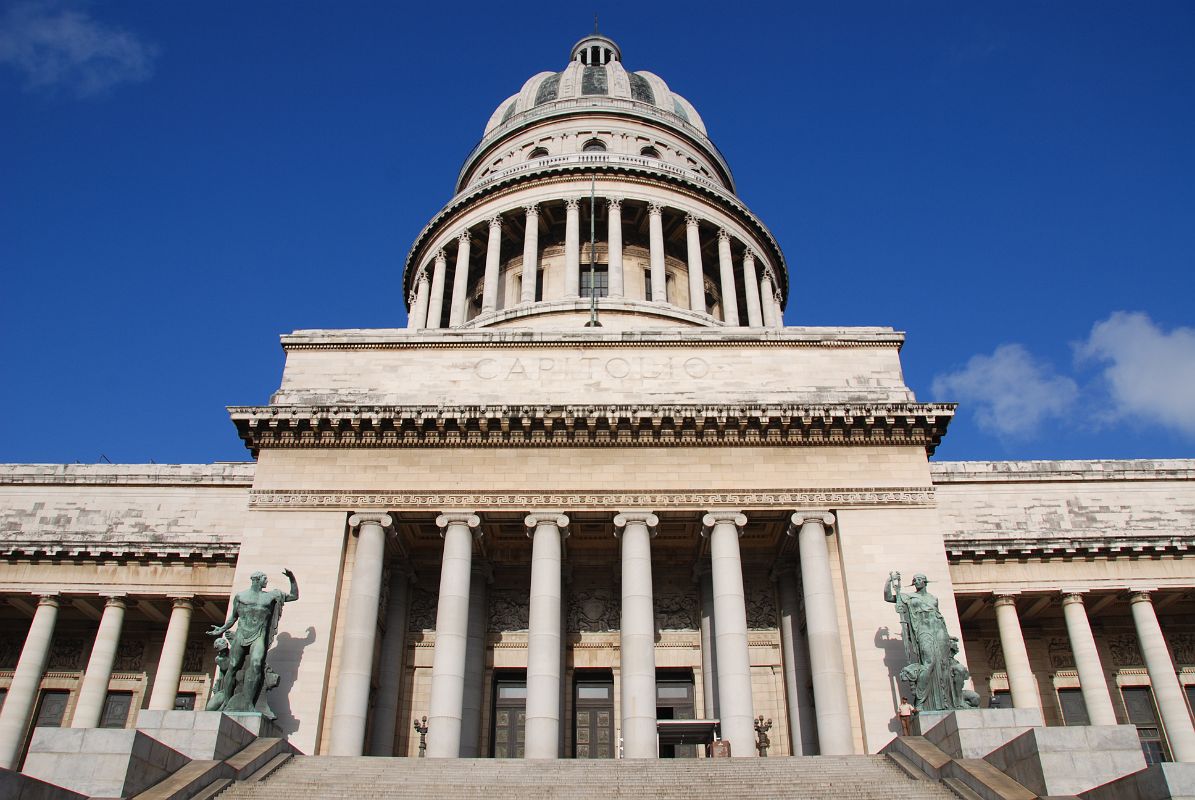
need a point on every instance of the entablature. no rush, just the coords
(964, 548)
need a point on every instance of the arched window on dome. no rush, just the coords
(649, 152)
(594, 146)
(538, 152)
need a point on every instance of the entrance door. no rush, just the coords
(510, 716)
(593, 717)
(674, 700)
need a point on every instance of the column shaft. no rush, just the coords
(751, 291)
(696, 271)
(767, 303)
(530, 255)
(614, 237)
(572, 249)
(493, 256)
(1087, 662)
(460, 283)
(1162, 678)
(543, 639)
(170, 664)
(1021, 683)
(475, 662)
(394, 645)
(22, 691)
(735, 708)
(709, 657)
(452, 632)
(779, 312)
(730, 298)
(360, 634)
(637, 636)
(89, 708)
(418, 318)
(828, 673)
(659, 277)
(435, 308)
(801, 724)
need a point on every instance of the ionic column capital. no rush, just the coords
(531, 209)
(496, 222)
(647, 518)
(723, 517)
(654, 209)
(537, 518)
(467, 518)
(614, 203)
(799, 518)
(723, 235)
(692, 221)
(384, 521)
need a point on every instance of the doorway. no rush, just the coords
(593, 715)
(510, 715)
(674, 700)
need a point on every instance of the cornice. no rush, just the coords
(88, 548)
(981, 472)
(961, 548)
(783, 425)
(660, 499)
(230, 474)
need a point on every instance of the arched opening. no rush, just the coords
(538, 152)
(650, 152)
(594, 146)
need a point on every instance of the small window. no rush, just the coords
(1074, 709)
(116, 709)
(538, 152)
(594, 146)
(184, 701)
(647, 285)
(649, 152)
(1000, 699)
(601, 280)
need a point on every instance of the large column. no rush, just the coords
(543, 638)
(709, 648)
(435, 307)
(394, 645)
(828, 673)
(493, 256)
(94, 691)
(572, 248)
(170, 663)
(637, 635)
(1021, 683)
(1087, 661)
(751, 290)
(766, 293)
(452, 634)
(360, 634)
(735, 708)
(530, 254)
(614, 237)
(801, 724)
(471, 698)
(1166, 690)
(460, 283)
(22, 691)
(418, 318)
(696, 271)
(659, 278)
(730, 298)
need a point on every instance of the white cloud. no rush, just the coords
(63, 48)
(1149, 374)
(1010, 392)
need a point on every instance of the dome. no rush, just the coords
(595, 70)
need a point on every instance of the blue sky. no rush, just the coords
(1013, 184)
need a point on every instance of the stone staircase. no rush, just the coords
(839, 777)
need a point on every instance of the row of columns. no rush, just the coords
(460, 583)
(761, 290)
(22, 694)
(1163, 678)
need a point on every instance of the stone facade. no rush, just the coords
(544, 536)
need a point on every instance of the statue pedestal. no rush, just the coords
(975, 732)
(207, 735)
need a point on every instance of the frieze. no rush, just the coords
(303, 499)
(1124, 650)
(676, 611)
(1059, 649)
(761, 608)
(508, 610)
(421, 616)
(66, 652)
(995, 654)
(593, 611)
(195, 656)
(1183, 645)
(130, 656)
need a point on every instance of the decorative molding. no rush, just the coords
(304, 427)
(43, 546)
(961, 547)
(484, 500)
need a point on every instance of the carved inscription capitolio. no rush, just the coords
(593, 368)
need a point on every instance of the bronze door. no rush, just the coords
(510, 717)
(52, 709)
(593, 719)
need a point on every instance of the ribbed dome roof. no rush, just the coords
(596, 70)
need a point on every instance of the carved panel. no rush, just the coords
(995, 654)
(761, 607)
(130, 656)
(66, 652)
(421, 615)
(1184, 648)
(593, 611)
(1124, 650)
(195, 656)
(508, 610)
(1061, 657)
(675, 611)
